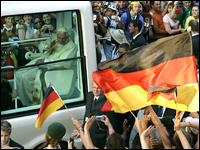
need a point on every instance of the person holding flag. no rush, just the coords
(54, 135)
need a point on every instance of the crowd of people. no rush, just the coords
(139, 23)
(119, 26)
(157, 128)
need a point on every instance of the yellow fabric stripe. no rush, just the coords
(135, 97)
(48, 111)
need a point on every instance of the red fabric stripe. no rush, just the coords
(171, 73)
(107, 106)
(50, 98)
(178, 10)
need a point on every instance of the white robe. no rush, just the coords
(28, 79)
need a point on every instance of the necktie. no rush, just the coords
(94, 104)
(159, 113)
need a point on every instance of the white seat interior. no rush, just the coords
(65, 82)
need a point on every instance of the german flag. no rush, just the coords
(161, 73)
(51, 103)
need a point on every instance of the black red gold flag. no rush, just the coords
(148, 74)
(50, 104)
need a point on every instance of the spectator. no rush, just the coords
(170, 23)
(73, 31)
(192, 128)
(123, 48)
(38, 24)
(16, 21)
(147, 32)
(168, 125)
(94, 103)
(8, 27)
(132, 14)
(25, 28)
(6, 141)
(158, 124)
(136, 142)
(114, 140)
(54, 135)
(122, 7)
(117, 38)
(135, 29)
(103, 8)
(96, 6)
(47, 29)
(98, 22)
(9, 31)
(158, 24)
(7, 94)
(163, 111)
(58, 46)
(8, 54)
(183, 12)
(182, 138)
(195, 16)
(111, 19)
(195, 38)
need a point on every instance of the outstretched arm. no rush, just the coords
(158, 125)
(145, 134)
(181, 136)
(107, 122)
(87, 141)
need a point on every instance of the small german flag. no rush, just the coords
(51, 103)
(161, 73)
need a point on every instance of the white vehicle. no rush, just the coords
(72, 85)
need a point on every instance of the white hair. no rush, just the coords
(63, 30)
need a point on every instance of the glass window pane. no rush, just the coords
(31, 39)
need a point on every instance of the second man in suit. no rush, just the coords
(135, 29)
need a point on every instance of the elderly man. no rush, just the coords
(94, 102)
(58, 46)
(6, 141)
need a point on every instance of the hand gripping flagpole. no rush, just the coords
(61, 99)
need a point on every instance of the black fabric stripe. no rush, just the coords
(48, 92)
(148, 56)
(153, 89)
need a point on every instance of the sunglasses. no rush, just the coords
(37, 22)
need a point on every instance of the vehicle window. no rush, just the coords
(37, 49)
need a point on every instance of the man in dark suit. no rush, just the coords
(164, 111)
(94, 103)
(135, 29)
(6, 141)
(195, 38)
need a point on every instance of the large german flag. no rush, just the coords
(51, 103)
(161, 73)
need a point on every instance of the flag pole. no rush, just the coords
(68, 110)
(61, 99)
(176, 104)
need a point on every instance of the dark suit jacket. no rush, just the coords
(169, 112)
(15, 144)
(99, 130)
(195, 44)
(139, 41)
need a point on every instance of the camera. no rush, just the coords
(113, 17)
(71, 139)
(94, 17)
(100, 118)
(146, 24)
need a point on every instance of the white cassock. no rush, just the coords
(28, 80)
